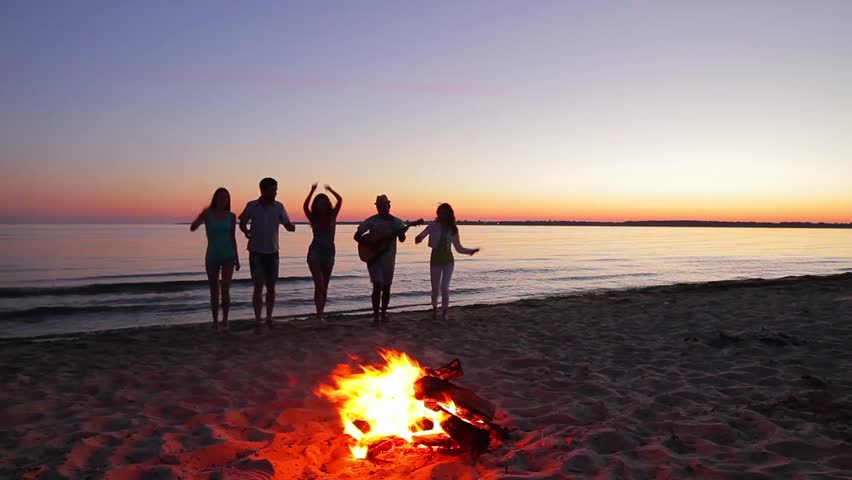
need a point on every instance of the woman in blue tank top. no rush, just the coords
(323, 219)
(221, 258)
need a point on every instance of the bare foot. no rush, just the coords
(226, 327)
(270, 325)
(376, 321)
(321, 323)
(385, 318)
(444, 316)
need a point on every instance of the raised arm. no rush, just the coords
(306, 206)
(198, 220)
(338, 200)
(460, 249)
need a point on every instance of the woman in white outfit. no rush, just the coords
(442, 233)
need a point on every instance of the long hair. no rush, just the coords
(321, 206)
(227, 201)
(451, 216)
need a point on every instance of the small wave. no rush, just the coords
(141, 275)
(603, 277)
(133, 287)
(517, 271)
(36, 314)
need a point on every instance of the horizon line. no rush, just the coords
(671, 222)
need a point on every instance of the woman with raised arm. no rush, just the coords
(443, 233)
(221, 258)
(323, 219)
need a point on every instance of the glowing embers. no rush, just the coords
(401, 403)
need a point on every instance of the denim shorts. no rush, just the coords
(219, 265)
(264, 266)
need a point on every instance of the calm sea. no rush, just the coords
(70, 278)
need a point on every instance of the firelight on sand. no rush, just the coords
(381, 401)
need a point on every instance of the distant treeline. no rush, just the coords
(660, 223)
(638, 223)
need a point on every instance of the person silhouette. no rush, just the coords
(384, 229)
(221, 257)
(443, 235)
(264, 215)
(322, 217)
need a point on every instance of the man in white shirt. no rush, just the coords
(264, 215)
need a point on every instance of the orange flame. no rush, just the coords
(383, 398)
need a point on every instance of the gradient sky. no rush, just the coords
(598, 110)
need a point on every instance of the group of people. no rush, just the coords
(376, 236)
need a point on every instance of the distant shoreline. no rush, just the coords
(637, 223)
(662, 223)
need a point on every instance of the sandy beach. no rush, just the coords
(741, 379)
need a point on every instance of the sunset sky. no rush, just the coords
(599, 110)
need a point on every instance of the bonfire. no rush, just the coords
(402, 404)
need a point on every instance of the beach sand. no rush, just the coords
(742, 379)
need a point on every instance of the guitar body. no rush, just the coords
(373, 245)
(377, 241)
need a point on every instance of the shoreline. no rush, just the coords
(366, 313)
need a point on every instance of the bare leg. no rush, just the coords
(227, 275)
(270, 302)
(319, 290)
(326, 277)
(257, 303)
(213, 281)
(446, 276)
(377, 292)
(435, 276)
(385, 301)
(326, 271)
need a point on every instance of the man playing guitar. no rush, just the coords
(376, 237)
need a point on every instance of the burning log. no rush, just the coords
(362, 425)
(470, 421)
(422, 425)
(437, 441)
(383, 446)
(470, 438)
(404, 404)
(438, 390)
(450, 371)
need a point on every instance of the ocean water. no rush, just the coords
(58, 279)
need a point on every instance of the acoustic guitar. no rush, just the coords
(376, 241)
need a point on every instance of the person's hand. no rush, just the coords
(237, 266)
(327, 187)
(314, 186)
(417, 240)
(475, 250)
(247, 234)
(290, 227)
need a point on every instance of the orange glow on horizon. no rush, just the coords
(179, 208)
(175, 200)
